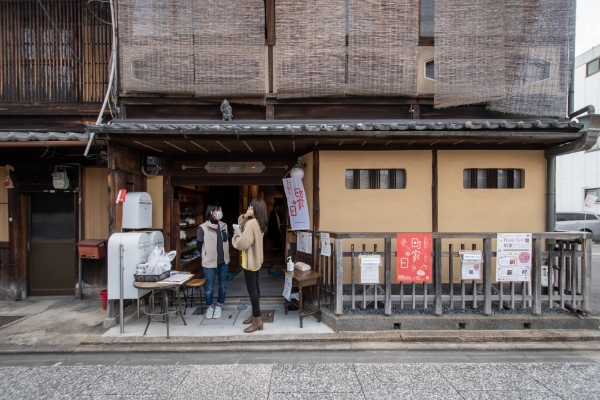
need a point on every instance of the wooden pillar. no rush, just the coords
(18, 209)
(170, 232)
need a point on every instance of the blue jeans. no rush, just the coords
(210, 274)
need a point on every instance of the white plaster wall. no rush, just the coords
(576, 172)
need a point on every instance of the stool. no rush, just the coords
(196, 285)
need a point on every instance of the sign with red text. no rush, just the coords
(414, 257)
(297, 204)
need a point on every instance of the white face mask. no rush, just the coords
(218, 215)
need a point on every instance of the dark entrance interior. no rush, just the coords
(234, 200)
(52, 261)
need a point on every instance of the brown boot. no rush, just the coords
(257, 323)
(248, 320)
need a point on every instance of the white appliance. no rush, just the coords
(136, 249)
(137, 211)
(156, 239)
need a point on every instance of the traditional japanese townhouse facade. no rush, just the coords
(406, 116)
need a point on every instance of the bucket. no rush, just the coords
(104, 298)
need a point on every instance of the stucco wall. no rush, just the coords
(375, 210)
(493, 210)
(424, 85)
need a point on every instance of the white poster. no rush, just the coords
(287, 287)
(325, 245)
(369, 269)
(297, 205)
(513, 260)
(589, 201)
(471, 262)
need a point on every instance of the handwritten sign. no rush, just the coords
(414, 257)
(513, 260)
(287, 287)
(296, 202)
(369, 268)
(471, 261)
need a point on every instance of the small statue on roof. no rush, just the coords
(227, 111)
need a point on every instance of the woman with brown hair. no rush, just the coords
(254, 224)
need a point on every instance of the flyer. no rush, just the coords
(471, 263)
(513, 259)
(414, 257)
(325, 245)
(369, 268)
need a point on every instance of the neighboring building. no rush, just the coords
(578, 174)
(402, 126)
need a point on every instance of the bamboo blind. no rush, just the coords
(205, 47)
(469, 61)
(538, 51)
(382, 48)
(310, 51)
(53, 51)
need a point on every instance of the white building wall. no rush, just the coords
(579, 171)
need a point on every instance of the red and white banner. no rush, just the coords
(414, 257)
(297, 204)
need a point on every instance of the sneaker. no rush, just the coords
(217, 313)
(209, 313)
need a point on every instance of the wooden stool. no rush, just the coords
(196, 285)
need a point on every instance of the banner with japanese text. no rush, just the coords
(297, 204)
(413, 252)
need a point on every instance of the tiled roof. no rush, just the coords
(42, 136)
(266, 126)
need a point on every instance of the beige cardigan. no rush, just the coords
(251, 241)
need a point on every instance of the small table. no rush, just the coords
(302, 279)
(165, 310)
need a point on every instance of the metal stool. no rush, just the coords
(196, 285)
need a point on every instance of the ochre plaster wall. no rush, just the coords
(375, 210)
(491, 210)
(154, 186)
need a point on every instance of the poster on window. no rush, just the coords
(513, 259)
(414, 262)
(296, 203)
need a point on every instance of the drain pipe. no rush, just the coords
(551, 194)
(113, 69)
(589, 109)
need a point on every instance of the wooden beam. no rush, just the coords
(170, 232)
(434, 191)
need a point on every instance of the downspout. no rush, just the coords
(111, 77)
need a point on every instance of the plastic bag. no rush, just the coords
(159, 261)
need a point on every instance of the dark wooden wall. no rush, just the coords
(124, 172)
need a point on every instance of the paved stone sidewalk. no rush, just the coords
(306, 381)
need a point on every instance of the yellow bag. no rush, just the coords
(244, 259)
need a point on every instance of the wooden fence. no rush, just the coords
(567, 257)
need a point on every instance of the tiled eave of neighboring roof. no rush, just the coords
(42, 136)
(299, 127)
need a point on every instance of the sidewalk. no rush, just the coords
(67, 325)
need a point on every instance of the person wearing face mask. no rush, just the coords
(212, 242)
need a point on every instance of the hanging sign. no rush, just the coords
(414, 257)
(513, 259)
(325, 245)
(304, 242)
(369, 268)
(297, 205)
(471, 261)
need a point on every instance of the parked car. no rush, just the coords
(578, 221)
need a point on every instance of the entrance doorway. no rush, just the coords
(51, 244)
(234, 201)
